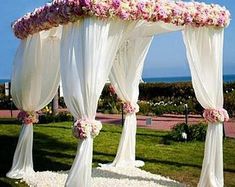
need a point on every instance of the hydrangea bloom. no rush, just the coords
(27, 118)
(86, 128)
(215, 115)
(129, 108)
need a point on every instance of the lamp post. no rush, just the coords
(122, 116)
(186, 113)
(11, 107)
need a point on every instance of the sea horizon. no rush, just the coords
(226, 78)
(174, 79)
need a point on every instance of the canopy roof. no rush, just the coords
(180, 13)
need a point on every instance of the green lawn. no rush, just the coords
(54, 149)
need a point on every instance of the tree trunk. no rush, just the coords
(55, 104)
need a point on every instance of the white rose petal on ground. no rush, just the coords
(104, 177)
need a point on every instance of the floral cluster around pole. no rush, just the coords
(180, 13)
(27, 118)
(130, 108)
(215, 115)
(83, 129)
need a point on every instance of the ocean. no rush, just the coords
(227, 78)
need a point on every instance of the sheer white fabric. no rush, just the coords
(125, 77)
(205, 55)
(35, 80)
(148, 29)
(88, 48)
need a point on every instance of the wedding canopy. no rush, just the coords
(84, 42)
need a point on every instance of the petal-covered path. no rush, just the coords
(163, 123)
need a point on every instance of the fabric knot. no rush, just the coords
(27, 118)
(215, 115)
(130, 108)
(85, 128)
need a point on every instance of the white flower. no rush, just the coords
(220, 117)
(184, 136)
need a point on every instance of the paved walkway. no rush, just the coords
(162, 123)
(165, 122)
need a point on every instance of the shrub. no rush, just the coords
(195, 132)
(60, 117)
(229, 102)
(46, 118)
(63, 116)
(145, 107)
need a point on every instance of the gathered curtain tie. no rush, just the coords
(216, 115)
(130, 108)
(84, 128)
(28, 117)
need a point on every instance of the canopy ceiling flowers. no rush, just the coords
(84, 42)
(180, 13)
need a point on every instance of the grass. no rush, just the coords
(55, 149)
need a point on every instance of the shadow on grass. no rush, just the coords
(103, 154)
(4, 184)
(150, 134)
(110, 131)
(48, 149)
(171, 163)
(7, 144)
(53, 126)
(46, 152)
(9, 121)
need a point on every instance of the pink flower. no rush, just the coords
(85, 2)
(215, 115)
(65, 11)
(140, 6)
(86, 128)
(124, 15)
(116, 3)
(27, 118)
(129, 108)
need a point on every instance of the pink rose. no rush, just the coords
(116, 3)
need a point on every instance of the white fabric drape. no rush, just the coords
(125, 77)
(35, 80)
(88, 48)
(205, 54)
(149, 29)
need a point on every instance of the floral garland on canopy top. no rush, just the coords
(180, 13)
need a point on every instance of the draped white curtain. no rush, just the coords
(125, 77)
(35, 80)
(205, 55)
(88, 48)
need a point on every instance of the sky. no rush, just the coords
(166, 56)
